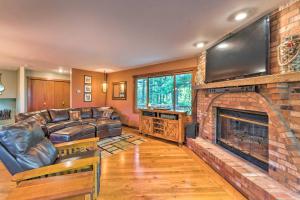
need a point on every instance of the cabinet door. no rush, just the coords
(171, 130)
(48, 94)
(36, 100)
(146, 125)
(61, 94)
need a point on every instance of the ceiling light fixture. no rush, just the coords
(240, 16)
(199, 45)
(104, 83)
(60, 70)
(222, 45)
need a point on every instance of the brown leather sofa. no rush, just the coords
(58, 126)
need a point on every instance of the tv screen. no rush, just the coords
(242, 54)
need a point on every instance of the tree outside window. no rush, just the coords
(171, 92)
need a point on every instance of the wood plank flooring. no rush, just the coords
(154, 170)
(159, 170)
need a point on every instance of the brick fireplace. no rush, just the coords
(277, 96)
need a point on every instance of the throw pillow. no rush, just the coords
(107, 113)
(75, 115)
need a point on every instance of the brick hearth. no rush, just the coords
(248, 179)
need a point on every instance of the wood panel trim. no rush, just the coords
(259, 80)
(47, 79)
(165, 73)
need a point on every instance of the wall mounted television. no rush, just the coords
(242, 54)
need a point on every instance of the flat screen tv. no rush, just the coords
(242, 54)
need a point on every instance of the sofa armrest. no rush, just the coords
(75, 166)
(57, 168)
(115, 116)
(72, 147)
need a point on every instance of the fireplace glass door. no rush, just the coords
(245, 134)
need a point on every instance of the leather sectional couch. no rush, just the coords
(59, 126)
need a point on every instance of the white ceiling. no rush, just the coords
(113, 34)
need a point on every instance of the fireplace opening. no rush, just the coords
(244, 133)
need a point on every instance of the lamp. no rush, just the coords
(2, 88)
(104, 84)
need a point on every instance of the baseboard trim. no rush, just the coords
(129, 126)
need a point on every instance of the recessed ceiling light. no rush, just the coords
(60, 70)
(240, 16)
(199, 45)
(222, 45)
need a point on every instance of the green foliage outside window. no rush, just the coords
(172, 92)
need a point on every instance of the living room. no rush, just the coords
(150, 100)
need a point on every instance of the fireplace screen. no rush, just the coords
(245, 134)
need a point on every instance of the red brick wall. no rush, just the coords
(284, 157)
(280, 101)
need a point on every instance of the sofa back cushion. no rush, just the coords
(23, 116)
(97, 112)
(45, 114)
(86, 113)
(58, 115)
(26, 142)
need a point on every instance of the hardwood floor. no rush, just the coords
(5, 184)
(159, 170)
(154, 170)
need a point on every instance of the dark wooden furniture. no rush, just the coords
(165, 124)
(69, 186)
(45, 94)
(71, 167)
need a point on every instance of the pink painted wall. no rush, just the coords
(98, 97)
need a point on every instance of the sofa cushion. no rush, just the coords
(71, 123)
(58, 115)
(45, 114)
(38, 118)
(97, 112)
(87, 121)
(42, 154)
(19, 137)
(52, 127)
(26, 142)
(115, 116)
(23, 116)
(86, 113)
(73, 133)
(107, 124)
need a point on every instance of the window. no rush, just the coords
(141, 93)
(170, 91)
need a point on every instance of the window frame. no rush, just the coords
(161, 74)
